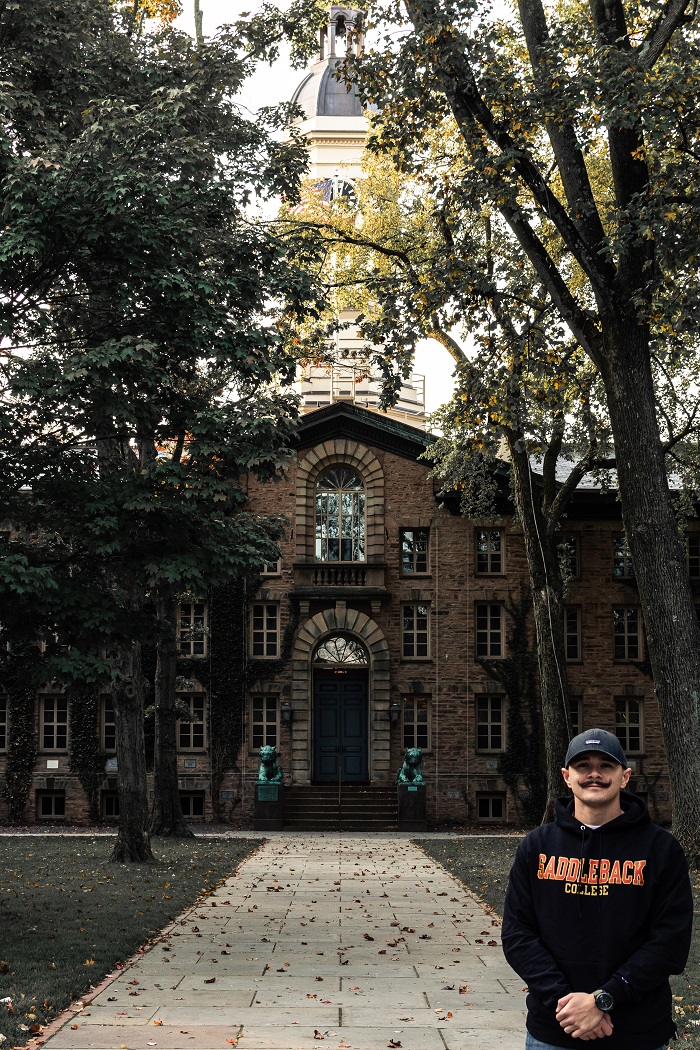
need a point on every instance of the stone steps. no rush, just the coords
(357, 807)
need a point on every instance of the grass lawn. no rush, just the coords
(482, 864)
(68, 917)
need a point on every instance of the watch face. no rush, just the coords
(604, 1001)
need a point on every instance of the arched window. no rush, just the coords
(341, 649)
(340, 516)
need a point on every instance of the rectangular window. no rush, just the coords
(414, 551)
(264, 721)
(489, 552)
(110, 805)
(109, 727)
(570, 555)
(491, 809)
(623, 568)
(54, 723)
(489, 723)
(271, 568)
(572, 633)
(489, 630)
(4, 719)
(416, 722)
(575, 715)
(50, 805)
(627, 633)
(692, 555)
(190, 735)
(416, 637)
(192, 628)
(192, 803)
(628, 724)
(265, 630)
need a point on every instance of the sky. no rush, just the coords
(270, 85)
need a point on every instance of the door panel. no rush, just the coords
(340, 726)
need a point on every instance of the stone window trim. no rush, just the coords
(490, 630)
(623, 568)
(416, 710)
(692, 555)
(628, 637)
(629, 724)
(576, 714)
(415, 631)
(490, 551)
(192, 736)
(264, 630)
(109, 805)
(572, 634)
(491, 807)
(271, 568)
(192, 628)
(51, 805)
(193, 805)
(54, 723)
(263, 720)
(108, 728)
(358, 458)
(414, 551)
(490, 714)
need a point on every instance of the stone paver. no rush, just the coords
(344, 942)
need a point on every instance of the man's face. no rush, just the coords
(595, 779)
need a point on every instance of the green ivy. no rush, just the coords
(21, 750)
(87, 759)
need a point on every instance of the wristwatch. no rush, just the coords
(603, 1000)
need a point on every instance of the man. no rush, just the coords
(598, 911)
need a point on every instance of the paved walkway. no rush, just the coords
(352, 943)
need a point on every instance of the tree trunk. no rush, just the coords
(166, 812)
(672, 632)
(133, 843)
(547, 588)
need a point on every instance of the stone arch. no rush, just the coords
(341, 620)
(314, 462)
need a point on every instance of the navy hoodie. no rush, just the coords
(608, 908)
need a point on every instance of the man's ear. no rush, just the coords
(565, 774)
(626, 776)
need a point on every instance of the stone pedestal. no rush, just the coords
(411, 807)
(269, 807)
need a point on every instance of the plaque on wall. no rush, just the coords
(268, 792)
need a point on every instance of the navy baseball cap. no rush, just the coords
(596, 740)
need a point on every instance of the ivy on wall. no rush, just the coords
(522, 763)
(21, 749)
(87, 759)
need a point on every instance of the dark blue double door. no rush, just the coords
(340, 726)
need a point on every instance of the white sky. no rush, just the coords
(270, 85)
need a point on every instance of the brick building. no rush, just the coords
(389, 620)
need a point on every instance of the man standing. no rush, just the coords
(598, 911)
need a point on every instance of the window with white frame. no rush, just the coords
(265, 629)
(192, 628)
(191, 734)
(54, 723)
(627, 633)
(109, 725)
(490, 629)
(629, 727)
(416, 632)
(416, 722)
(50, 805)
(491, 808)
(692, 555)
(489, 552)
(4, 722)
(570, 555)
(490, 723)
(623, 569)
(414, 552)
(340, 515)
(192, 803)
(109, 804)
(572, 633)
(575, 715)
(264, 721)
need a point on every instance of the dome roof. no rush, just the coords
(321, 95)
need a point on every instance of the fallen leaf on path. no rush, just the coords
(317, 1034)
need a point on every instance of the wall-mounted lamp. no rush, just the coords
(286, 713)
(394, 711)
